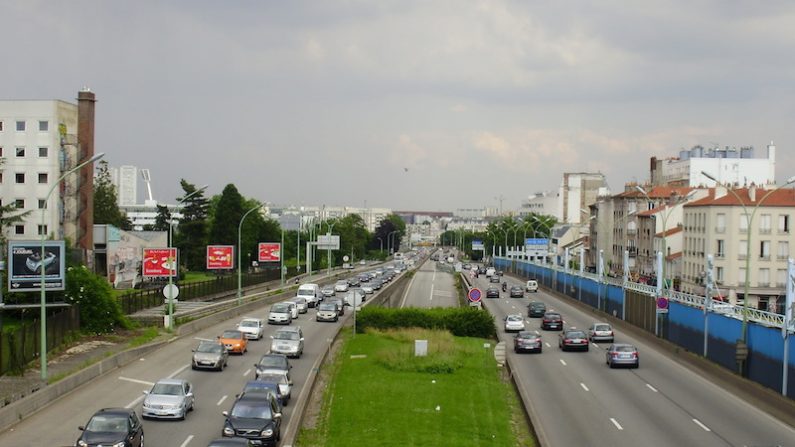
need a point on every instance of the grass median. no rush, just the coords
(380, 394)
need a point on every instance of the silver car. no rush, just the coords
(252, 328)
(288, 341)
(328, 291)
(301, 303)
(622, 354)
(168, 399)
(283, 380)
(210, 355)
(600, 332)
(280, 313)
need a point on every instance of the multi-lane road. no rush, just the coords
(580, 401)
(430, 287)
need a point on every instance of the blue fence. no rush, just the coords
(684, 325)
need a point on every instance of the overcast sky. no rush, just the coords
(428, 105)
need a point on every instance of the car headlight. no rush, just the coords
(268, 432)
(118, 444)
(82, 443)
(229, 431)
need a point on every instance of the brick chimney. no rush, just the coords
(85, 185)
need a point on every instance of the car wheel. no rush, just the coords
(586, 349)
(637, 365)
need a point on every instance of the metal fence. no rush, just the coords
(22, 346)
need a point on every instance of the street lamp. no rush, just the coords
(390, 242)
(749, 218)
(381, 245)
(548, 226)
(43, 348)
(239, 250)
(328, 248)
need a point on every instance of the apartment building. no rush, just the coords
(728, 165)
(718, 225)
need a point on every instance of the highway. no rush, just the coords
(430, 287)
(580, 401)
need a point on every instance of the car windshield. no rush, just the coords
(280, 308)
(526, 335)
(279, 362)
(210, 348)
(514, 318)
(602, 327)
(108, 423)
(624, 349)
(327, 307)
(537, 305)
(342, 283)
(273, 378)
(249, 323)
(575, 334)
(306, 292)
(286, 335)
(251, 410)
(552, 317)
(167, 389)
(259, 386)
(232, 334)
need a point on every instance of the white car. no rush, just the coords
(514, 323)
(293, 309)
(341, 286)
(368, 289)
(252, 328)
(280, 313)
(600, 332)
(532, 286)
(300, 303)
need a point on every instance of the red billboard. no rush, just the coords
(269, 252)
(160, 262)
(220, 257)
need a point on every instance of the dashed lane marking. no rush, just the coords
(187, 440)
(651, 388)
(563, 362)
(142, 382)
(220, 401)
(701, 425)
(584, 386)
(615, 422)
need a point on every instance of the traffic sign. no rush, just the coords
(345, 258)
(171, 291)
(474, 295)
(662, 305)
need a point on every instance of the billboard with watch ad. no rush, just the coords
(26, 261)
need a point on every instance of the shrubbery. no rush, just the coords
(461, 321)
(100, 312)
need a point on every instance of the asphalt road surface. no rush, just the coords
(430, 287)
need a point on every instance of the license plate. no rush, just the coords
(625, 356)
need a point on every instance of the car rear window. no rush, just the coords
(624, 348)
(602, 327)
(232, 334)
(576, 334)
(552, 317)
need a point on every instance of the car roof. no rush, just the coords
(622, 345)
(172, 381)
(250, 318)
(119, 411)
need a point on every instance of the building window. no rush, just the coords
(20, 177)
(20, 126)
(43, 178)
(44, 126)
(720, 252)
(1, 126)
(764, 224)
(720, 223)
(1, 151)
(19, 204)
(19, 229)
(42, 230)
(783, 223)
(764, 278)
(742, 251)
(20, 152)
(740, 277)
(719, 274)
(43, 152)
(781, 278)
(743, 222)
(1, 178)
(764, 250)
(783, 250)
(42, 204)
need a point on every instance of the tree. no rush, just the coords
(106, 203)
(226, 215)
(191, 237)
(100, 311)
(162, 219)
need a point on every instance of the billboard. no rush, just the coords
(269, 252)
(159, 262)
(536, 247)
(328, 242)
(220, 257)
(26, 261)
(478, 245)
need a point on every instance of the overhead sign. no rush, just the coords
(26, 262)
(328, 242)
(474, 295)
(269, 252)
(220, 257)
(478, 245)
(536, 247)
(159, 262)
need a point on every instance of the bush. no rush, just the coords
(100, 312)
(461, 322)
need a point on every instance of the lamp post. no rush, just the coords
(239, 250)
(549, 233)
(380, 245)
(749, 219)
(390, 242)
(43, 316)
(328, 248)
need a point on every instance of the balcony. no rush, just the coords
(720, 230)
(765, 231)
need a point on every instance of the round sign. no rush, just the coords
(474, 295)
(345, 258)
(171, 291)
(662, 303)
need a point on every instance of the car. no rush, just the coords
(499, 272)
(492, 292)
(252, 328)
(230, 442)
(600, 332)
(525, 341)
(376, 283)
(355, 297)
(466, 267)
(311, 293)
(258, 386)
(168, 399)
(210, 355)
(552, 321)
(622, 354)
(340, 306)
(301, 304)
(353, 281)
(491, 271)
(112, 427)
(341, 286)
(328, 291)
(255, 417)
(364, 277)
(514, 323)
(282, 380)
(494, 279)
(288, 341)
(531, 286)
(536, 309)
(516, 292)
(270, 363)
(234, 341)
(280, 313)
(368, 289)
(362, 262)
(327, 312)
(573, 339)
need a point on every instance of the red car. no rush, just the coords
(573, 339)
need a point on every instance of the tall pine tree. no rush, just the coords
(191, 237)
(106, 201)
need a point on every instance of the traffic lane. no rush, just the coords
(692, 396)
(430, 287)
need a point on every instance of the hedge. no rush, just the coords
(462, 322)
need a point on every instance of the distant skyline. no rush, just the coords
(421, 105)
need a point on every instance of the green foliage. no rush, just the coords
(100, 312)
(162, 219)
(391, 223)
(226, 217)
(106, 204)
(191, 236)
(462, 322)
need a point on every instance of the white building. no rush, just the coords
(290, 215)
(544, 203)
(125, 178)
(729, 166)
(577, 192)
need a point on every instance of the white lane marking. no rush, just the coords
(701, 425)
(548, 345)
(434, 275)
(406, 292)
(135, 402)
(651, 388)
(187, 440)
(248, 371)
(142, 382)
(615, 422)
(221, 400)
(594, 345)
(584, 387)
(563, 362)
(431, 298)
(183, 368)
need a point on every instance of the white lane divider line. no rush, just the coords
(135, 402)
(431, 298)
(220, 401)
(187, 440)
(548, 345)
(615, 422)
(248, 371)
(651, 388)
(183, 368)
(142, 382)
(584, 386)
(701, 425)
(563, 362)
(594, 345)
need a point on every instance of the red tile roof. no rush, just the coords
(669, 232)
(781, 197)
(658, 192)
(652, 211)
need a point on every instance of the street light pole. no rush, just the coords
(43, 293)
(239, 250)
(381, 245)
(328, 248)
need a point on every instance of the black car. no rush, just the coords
(254, 416)
(112, 427)
(517, 292)
(353, 281)
(536, 309)
(492, 292)
(552, 321)
(525, 341)
(259, 386)
(272, 362)
(231, 442)
(573, 339)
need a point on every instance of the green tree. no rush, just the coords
(106, 202)
(100, 312)
(226, 214)
(162, 219)
(390, 223)
(191, 236)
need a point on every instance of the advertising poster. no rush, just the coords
(269, 252)
(159, 262)
(26, 262)
(220, 257)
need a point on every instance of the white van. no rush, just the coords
(309, 292)
(490, 272)
(532, 286)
